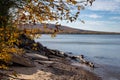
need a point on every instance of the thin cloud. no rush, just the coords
(117, 0)
(106, 5)
(95, 16)
(115, 18)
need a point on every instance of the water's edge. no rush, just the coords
(103, 50)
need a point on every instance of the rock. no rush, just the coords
(69, 53)
(82, 56)
(52, 52)
(73, 57)
(91, 65)
(36, 56)
(62, 54)
(22, 60)
(40, 46)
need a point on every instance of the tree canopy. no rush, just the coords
(14, 12)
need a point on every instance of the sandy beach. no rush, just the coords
(56, 68)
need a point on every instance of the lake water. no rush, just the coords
(103, 50)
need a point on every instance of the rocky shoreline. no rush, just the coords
(40, 63)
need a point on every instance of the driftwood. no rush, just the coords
(44, 62)
(35, 56)
(82, 59)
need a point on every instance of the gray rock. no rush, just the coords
(22, 60)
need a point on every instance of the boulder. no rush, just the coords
(22, 60)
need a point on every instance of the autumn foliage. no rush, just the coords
(15, 12)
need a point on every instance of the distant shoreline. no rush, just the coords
(60, 30)
(84, 33)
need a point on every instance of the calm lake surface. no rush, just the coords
(103, 50)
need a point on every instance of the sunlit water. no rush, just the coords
(103, 50)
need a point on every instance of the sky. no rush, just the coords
(103, 15)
